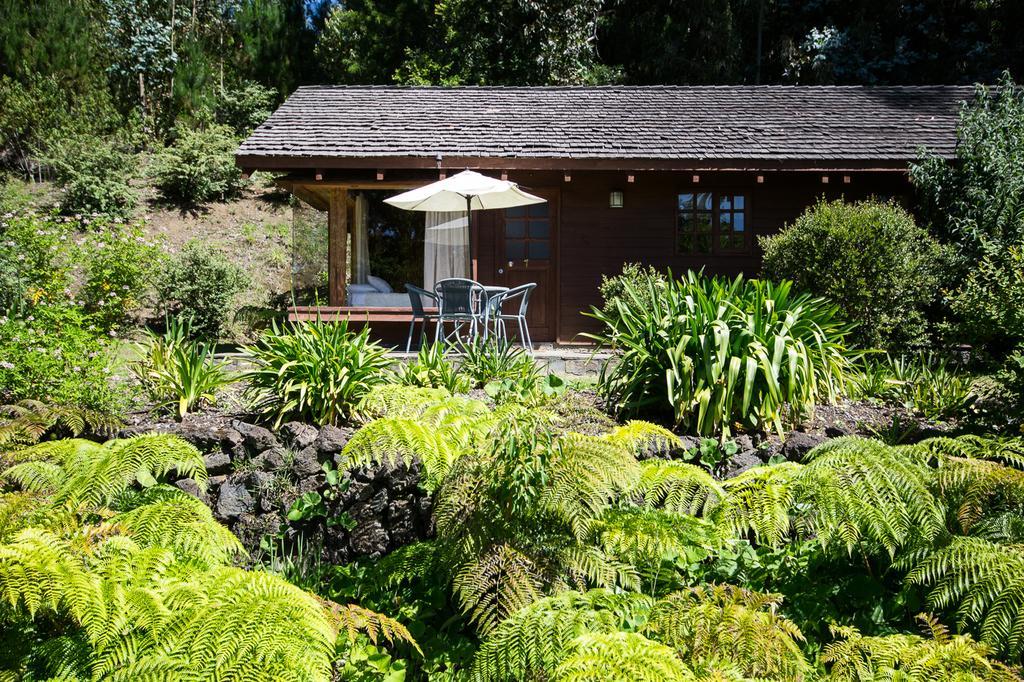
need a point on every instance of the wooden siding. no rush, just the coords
(596, 240)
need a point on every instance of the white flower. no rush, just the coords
(6, 365)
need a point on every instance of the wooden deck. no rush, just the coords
(352, 313)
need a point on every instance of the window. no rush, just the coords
(711, 222)
(528, 233)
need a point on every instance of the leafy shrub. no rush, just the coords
(712, 353)
(94, 175)
(51, 355)
(179, 373)
(244, 106)
(868, 257)
(317, 372)
(198, 166)
(119, 267)
(634, 277)
(976, 205)
(989, 305)
(199, 284)
(37, 256)
(487, 360)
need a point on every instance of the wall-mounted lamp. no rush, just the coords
(616, 199)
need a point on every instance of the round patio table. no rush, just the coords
(490, 291)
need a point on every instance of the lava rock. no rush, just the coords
(744, 442)
(797, 444)
(273, 459)
(838, 431)
(297, 435)
(306, 462)
(256, 438)
(369, 539)
(217, 463)
(192, 488)
(742, 461)
(234, 501)
(331, 440)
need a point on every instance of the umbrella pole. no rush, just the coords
(469, 237)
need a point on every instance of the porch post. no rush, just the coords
(337, 245)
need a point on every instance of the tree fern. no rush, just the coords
(1008, 451)
(761, 502)
(975, 488)
(82, 472)
(716, 624)
(985, 583)
(535, 639)
(28, 421)
(645, 537)
(177, 521)
(864, 492)
(498, 583)
(910, 658)
(393, 400)
(677, 487)
(640, 437)
(620, 657)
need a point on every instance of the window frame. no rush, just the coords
(716, 225)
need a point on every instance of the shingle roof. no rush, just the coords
(612, 122)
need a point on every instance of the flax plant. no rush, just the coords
(714, 353)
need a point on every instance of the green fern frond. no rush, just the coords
(394, 400)
(644, 537)
(588, 566)
(974, 488)
(495, 585)
(231, 624)
(394, 440)
(985, 582)
(34, 570)
(761, 501)
(856, 658)
(417, 561)
(640, 437)
(730, 624)
(82, 472)
(863, 491)
(677, 487)
(585, 474)
(534, 639)
(620, 657)
(177, 521)
(28, 421)
(1008, 451)
(353, 620)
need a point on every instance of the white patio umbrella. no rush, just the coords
(466, 191)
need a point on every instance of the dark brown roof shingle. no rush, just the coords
(613, 122)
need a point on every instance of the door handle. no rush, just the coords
(501, 271)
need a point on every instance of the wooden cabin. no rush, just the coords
(676, 177)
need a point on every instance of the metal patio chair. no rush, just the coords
(417, 296)
(495, 312)
(461, 302)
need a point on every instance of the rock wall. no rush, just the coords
(256, 474)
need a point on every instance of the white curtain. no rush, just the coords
(446, 247)
(360, 247)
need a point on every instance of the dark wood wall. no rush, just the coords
(596, 240)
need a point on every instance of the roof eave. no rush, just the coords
(290, 163)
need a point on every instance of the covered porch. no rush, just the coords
(372, 250)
